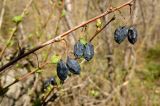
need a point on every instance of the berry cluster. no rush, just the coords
(80, 50)
(84, 50)
(122, 32)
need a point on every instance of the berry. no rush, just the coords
(120, 34)
(88, 51)
(132, 35)
(73, 66)
(51, 81)
(62, 70)
(78, 49)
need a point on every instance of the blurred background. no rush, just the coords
(118, 75)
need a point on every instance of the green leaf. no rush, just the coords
(83, 41)
(63, 13)
(98, 23)
(49, 88)
(94, 93)
(55, 59)
(18, 65)
(10, 43)
(39, 71)
(17, 18)
(57, 80)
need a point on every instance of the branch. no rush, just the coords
(40, 67)
(113, 18)
(58, 38)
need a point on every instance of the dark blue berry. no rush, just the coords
(73, 66)
(78, 49)
(120, 34)
(132, 35)
(51, 81)
(62, 70)
(88, 51)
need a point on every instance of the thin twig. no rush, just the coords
(45, 98)
(113, 18)
(2, 13)
(25, 76)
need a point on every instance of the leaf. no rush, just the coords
(10, 43)
(49, 88)
(98, 23)
(63, 13)
(17, 19)
(94, 93)
(18, 65)
(58, 81)
(83, 41)
(55, 59)
(39, 71)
